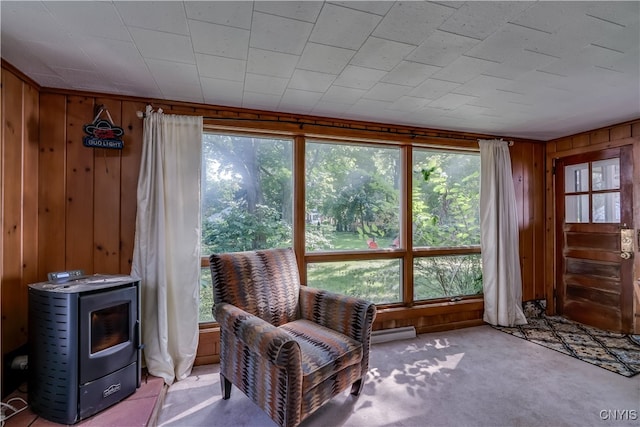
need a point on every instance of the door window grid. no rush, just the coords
(599, 183)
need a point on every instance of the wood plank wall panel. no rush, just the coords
(527, 160)
(52, 174)
(106, 199)
(79, 187)
(19, 177)
(613, 136)
(13, 301)
(129, 168)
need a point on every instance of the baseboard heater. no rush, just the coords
(393, 334)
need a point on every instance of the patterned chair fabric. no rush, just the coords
(289, 348)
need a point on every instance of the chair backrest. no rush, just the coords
(264, 283)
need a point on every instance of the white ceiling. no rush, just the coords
(537, 70)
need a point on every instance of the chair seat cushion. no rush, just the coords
(324, 351)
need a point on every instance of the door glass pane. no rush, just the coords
(576, 178)
(605, 174)
(576, 208)
(606, 207)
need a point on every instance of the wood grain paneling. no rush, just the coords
(52, 222)
(79, 194)
(19, 178)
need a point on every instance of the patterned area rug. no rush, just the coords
(619, 353)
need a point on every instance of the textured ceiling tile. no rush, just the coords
(589, 55)
(213, 39)
(412, 22)
(265, 84)
(625, 13)
(295, 96)
(327, 108)
(312, 81)
(519, 64)
(442, 48)
(450, 101)
(298, 100)
(159, 45)
(464, 69)
(221, 92)
(409, 104)
(271, 63)
(98, 19)
(343, 95)
(303, 11)
(82, 79)
(574, 36)
(231, 13)
(342, 27)
(173, 73)
(381, 54)
(376, 6)
(183, 93)
(386, 92)
(506, 42)
(550, 16)
(433, 89)
(367, 108)
(323, 58)
(27, 61)
(168, 16)
(482, 85)
(220, 67)
(359, 77)
(260, 101)
(279, 34)
(56, 55)
(410, 73)
(42, 25)
(625, 40)
(481, 19)
(116, 58)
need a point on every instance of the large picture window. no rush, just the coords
(392, 223)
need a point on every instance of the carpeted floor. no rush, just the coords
(618, 353)
(478, 377)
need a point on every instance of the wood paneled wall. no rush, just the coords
(19, 205)
(76, 205)
(612, 136)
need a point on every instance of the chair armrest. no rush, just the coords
(259, 336)
(348, 315)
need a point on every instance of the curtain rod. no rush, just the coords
(500, 139)
(142, 115)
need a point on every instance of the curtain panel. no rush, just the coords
(166, 254)
(499, 240)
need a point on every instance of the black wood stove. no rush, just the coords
(84, 344)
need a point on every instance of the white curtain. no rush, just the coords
(501, 277)
(166, 254)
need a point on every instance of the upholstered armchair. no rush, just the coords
(289, 348)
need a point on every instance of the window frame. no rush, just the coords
(405, 252)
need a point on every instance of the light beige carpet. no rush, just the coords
(469, 377)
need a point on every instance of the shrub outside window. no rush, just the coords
(247, 198)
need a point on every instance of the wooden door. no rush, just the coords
(594, 203)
